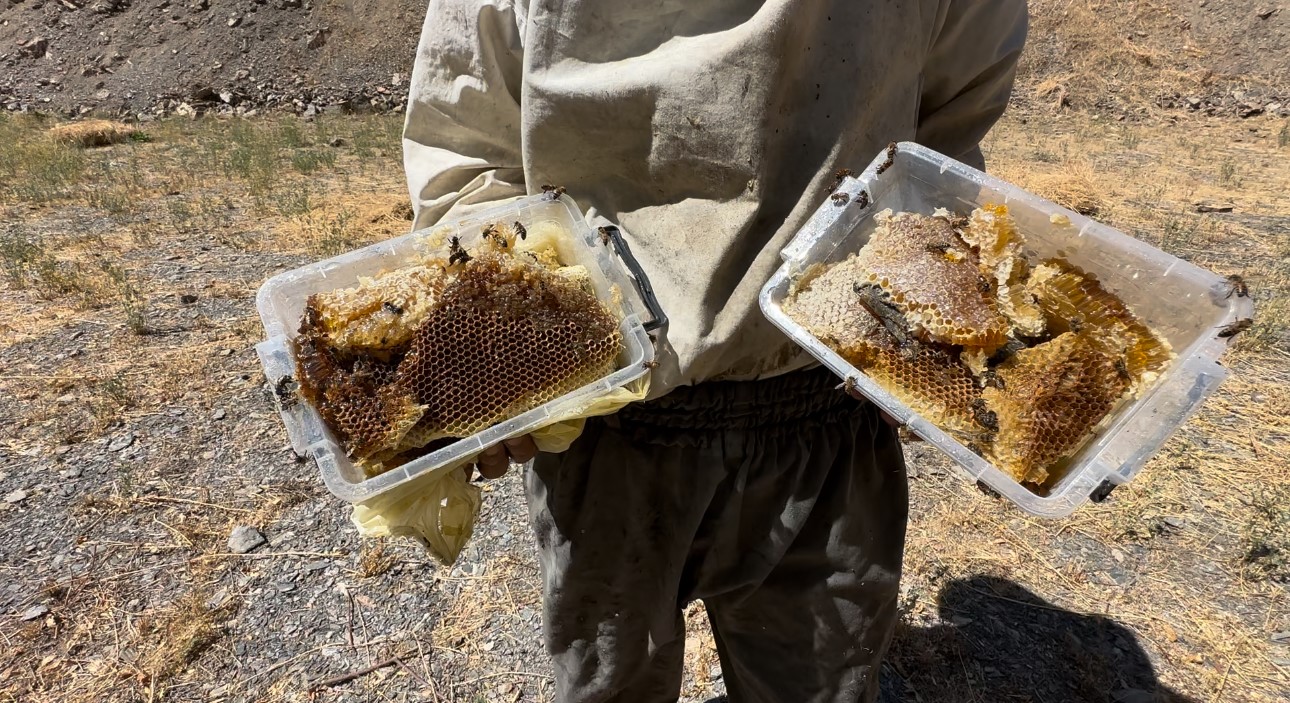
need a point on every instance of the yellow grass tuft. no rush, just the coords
(343, 221)
(92, 133)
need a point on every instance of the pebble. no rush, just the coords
(219, 414)
(317, 565)
(714, 674)
(187, 298)
(244, 538)
(121, 442)
(16, 496)
(67, 399)
(34, 612)
(286, 586)
(70, 473)
(1281, 637)
(1175, 522)
(62, 449)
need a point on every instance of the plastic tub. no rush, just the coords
(1184, 303)
(281, 301)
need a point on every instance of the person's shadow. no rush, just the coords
(1005, 643)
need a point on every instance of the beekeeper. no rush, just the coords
(709, 130)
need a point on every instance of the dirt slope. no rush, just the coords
(126, 56)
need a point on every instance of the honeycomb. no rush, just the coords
(934, 279)
(1050, 399)
(1019, 362)
(925, 376)
(445, 348)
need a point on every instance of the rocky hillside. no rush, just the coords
(132, 56)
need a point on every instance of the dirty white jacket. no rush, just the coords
(709, 130)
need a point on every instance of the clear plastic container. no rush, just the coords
(281, 301)
(1186, 304)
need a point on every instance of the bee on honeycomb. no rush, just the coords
(1019, 362)
(439, 350)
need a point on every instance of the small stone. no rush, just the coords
(16, 496)
(62, 449)
(244, 538)
(187, 298)
(226, 352)
(67, 399)
(121, 442)
(1281, 637)
(317, 565)
(286, 586)
(317, 39)
(219, 414)
(234, 21)
(961, 621)
(714, 674)
(338, 142)
(1175, 522)
(34, 612)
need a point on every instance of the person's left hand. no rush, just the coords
(891, 421)
(493, 462)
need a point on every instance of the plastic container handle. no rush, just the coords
(642, 281)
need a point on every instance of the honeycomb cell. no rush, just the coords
(481, 339)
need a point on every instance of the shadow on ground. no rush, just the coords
(1008, 644)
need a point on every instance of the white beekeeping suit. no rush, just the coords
(708, 129)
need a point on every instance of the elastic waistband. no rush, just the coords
(727, 405)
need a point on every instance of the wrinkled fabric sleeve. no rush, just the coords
(969, 73)
(461, 135)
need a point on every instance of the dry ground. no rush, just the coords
(137, 435)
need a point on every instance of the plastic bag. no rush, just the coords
(439, 508)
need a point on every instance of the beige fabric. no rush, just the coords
(708, 129)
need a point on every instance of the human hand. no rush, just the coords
(493, 462)
(891, 421)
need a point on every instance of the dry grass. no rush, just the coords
(343, 221)
(1130, 57)
(93, 133)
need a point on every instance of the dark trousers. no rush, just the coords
(780, 503)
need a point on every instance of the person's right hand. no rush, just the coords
(493, 462)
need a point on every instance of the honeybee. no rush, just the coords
(891, 159)
(841, 175)
(849, 386)
(862, 199)
(991, 378)
(604, 235)
(840, 198)
(940, 249)
(983, 284)
(553, 192)
(984, 416)
(494, 232)
(1122, 368)
(392, 308)
(520, 231)
(285, 391)
(456, 254)
(1237, 286)
(650, 365)
(1076, 324)
(1229, 331)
